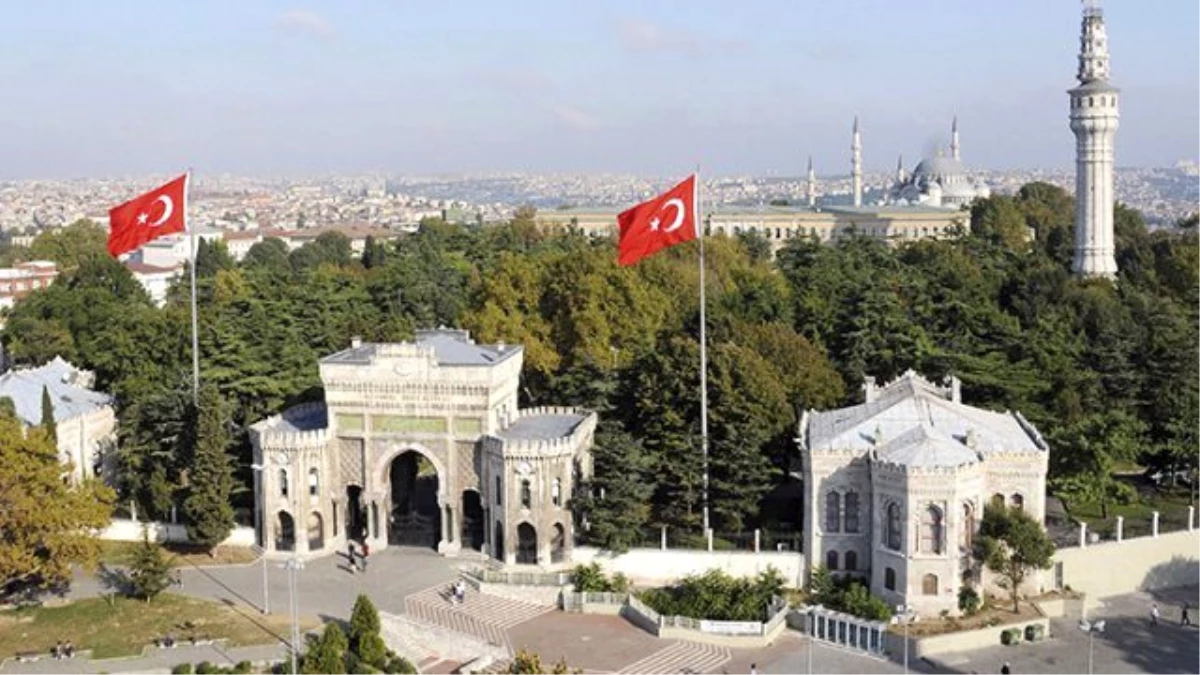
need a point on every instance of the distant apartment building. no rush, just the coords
(239, 243)
(23, 278)
(155, 279)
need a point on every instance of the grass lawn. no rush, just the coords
(125, 626)
(121, 553)
(1171, 503)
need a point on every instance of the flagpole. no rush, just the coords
(703, 350)
(195, 322)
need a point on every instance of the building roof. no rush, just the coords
(912, 402)
(142, 268)
(542, 427)
(304, 417)
(450, 348)
(939, 166)
(923, 447)
(68, 393)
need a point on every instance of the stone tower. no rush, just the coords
(1094, 120)
(812, 184)
(954, 149)
(856, 164)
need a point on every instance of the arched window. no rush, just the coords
(833, 512)
(998, 500)
(929, 584)
(892, 533)
(889, 579)
(967, 539)
(526, 493)
(556, 492)
(1091, 100)
(283, 483)
(499, 492)
(314, 482)
(851, 512)
(931, 530)
(851, 561)
(831, 560)
(1018, 501)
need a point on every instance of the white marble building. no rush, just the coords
(895, 487)
(422, 443)
(938, 181)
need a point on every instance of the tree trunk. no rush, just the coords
(1104, 509)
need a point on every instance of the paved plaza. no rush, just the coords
(411, 582)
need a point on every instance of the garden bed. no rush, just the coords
(998, 613)
(121, 553)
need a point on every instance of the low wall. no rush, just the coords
(936, 645)
(742, 641)
(1120, 567)
(655, 567)
(130, 530)
(538, 595)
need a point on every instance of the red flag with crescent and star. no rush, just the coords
(651, 226)
(159, 212)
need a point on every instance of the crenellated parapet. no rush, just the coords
(300, 427)
(533, 448)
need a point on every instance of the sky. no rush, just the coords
(123, 87)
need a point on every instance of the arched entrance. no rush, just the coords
(285, 532)
(498, 542)
(472, 522)
(415, 517)
(356, 515)
(316, 532)
(526, 544)
(558, 544)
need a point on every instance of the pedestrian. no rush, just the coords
(460, 590)
(1005, 669)
(753, 669)
(58, 650)
(1184, 619)
(69, 650)
(350, 555)
(366, 551)
(1154, 614)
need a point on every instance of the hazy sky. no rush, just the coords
(407, 86)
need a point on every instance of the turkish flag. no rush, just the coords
(666, 220)
(159, 212)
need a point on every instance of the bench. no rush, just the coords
(29, 657)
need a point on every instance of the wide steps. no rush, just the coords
(681, 657)
(486, 617)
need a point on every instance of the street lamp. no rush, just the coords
(812, 635)
(1091, 628)
(260, 519)
(294, 565)
(905, 615)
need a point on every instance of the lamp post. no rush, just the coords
(260, 519)
(294, 565)
(812, 635)
(905, 615)
(1091, 628)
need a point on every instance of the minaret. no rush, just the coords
(856, 164)
(1094, 119)
(954, 139)
(812, 184)
(900, 168)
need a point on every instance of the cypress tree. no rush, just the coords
(209, 513)
(48, 422)
(365, 640)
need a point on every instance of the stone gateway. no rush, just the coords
(422, 444)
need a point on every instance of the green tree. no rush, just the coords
(365, 639)
(327, 654)
(1012, 545)
(527, 661)
(70, 246)
(268, 255)
(211, 257)
(999, 219)
(615, 501)
(149, 570)
(48, 424)
(1087, 453)
(49, 525)
(329, 248)
(208, 508)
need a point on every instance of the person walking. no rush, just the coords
(1184, 619)
(1154, 614)
(753, 669)
(1005, 669)
(366, 551)
(350, 555)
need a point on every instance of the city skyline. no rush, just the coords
(405, 89)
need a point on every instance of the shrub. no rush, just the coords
(718, 596)
(206, 668)
(620, 583)
(590, 579)
(1035, 632)
(968, 600)
(243, 667)
(847, 595)
(1010, 636)
(398, 664)
(182, 669)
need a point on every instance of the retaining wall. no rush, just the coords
(1120, 567)
(655, 567)
(129, 530)
(936, 645)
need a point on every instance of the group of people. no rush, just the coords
(1185, 618)
(458, 592)
(357, 556)
(64, 650)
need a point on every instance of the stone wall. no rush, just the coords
(128, 530)
(1119, 567)
(656, 567)
(949, 643)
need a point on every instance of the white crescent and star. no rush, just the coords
(680, 210)
(168, 207)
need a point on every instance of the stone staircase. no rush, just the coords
(426, 644)
(682, 657)
(484, 617)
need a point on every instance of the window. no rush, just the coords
(929, 584)
(968, 528)
(556, 492)
(831, 560)
(283, 483)
(1018, 502)
(852, 512)
(526, 494)
(833, 512)
(889, 579)
(893, 527)
(931, 530)
(998, 500)
(499, 491)
(851, 561)
(314, 482)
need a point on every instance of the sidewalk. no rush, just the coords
(153, 660)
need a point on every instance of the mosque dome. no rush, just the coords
(939, 168)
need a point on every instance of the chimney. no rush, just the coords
(869, 388)
(355, 342)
